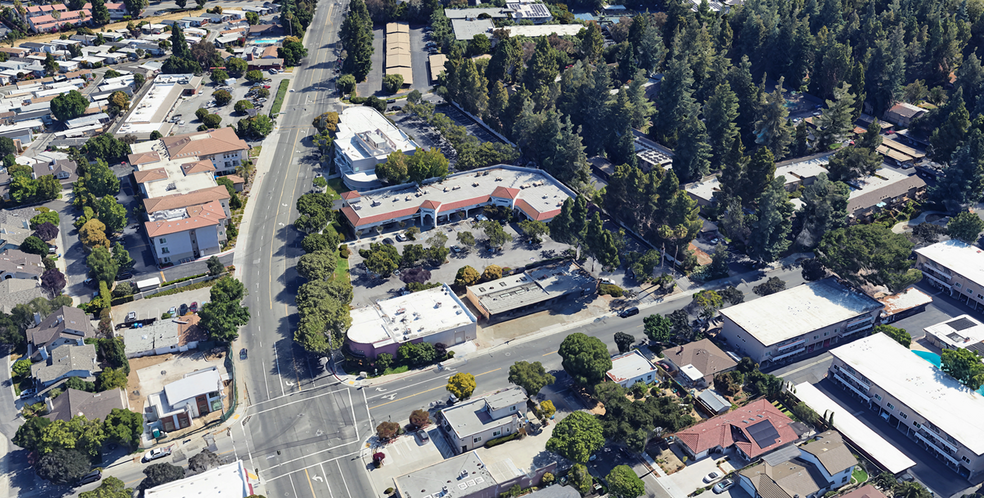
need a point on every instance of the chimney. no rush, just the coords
(37, 319)
(47, 401)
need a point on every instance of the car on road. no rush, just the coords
(243, 354)
(28, 393)
(89, 478)
(422, 434)
(194, 307)
(723, 486)
(712, 477)
(629, 312)
(183, 309)
(124, 276)
(391, 101)
(156, 453)
(131, 316)
(172, 311)
(400, 237)
(88, 281)
(388, 241)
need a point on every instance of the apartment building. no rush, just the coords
(913, 396)
(955, 267)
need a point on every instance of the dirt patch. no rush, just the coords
(667, 461)
(133, 392)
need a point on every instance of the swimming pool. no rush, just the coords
(265, 41)
(935, 360)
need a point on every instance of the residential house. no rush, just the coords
(66, 325)
(50, 23)
(912, 395)
(471, 424)
(63, 169)
(164, 336)
(902, 114)
(16, 291)
(20, 265)
(698, 362)
(265, 31)
(809, 471)
(196, 395)
(752, 430)
(887, 189)
(955, 267)
(629, 368)
(866, 491)
(64, 362)
(815, 316)
(73, 402)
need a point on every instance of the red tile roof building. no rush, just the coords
(754, 430)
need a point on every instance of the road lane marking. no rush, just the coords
(355, 421)
(326, 480)
(290, 158)
(429, 390)
(276, 358)
(310, 483)
(550, 353)
(292, 402)
(342, 475)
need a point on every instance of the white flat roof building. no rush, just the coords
(535, 288)
(910, 393)
(629, 368)
(962, 332)
(433, 315)
(544, 30)
(149, 114)
(364, 139)
(799, 320)
(227, 481)
(955, 267)
(903, 304)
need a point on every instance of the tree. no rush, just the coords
(720, 112)
(242, 106)
(532, 377)
(900, 335)
(773, 129)
(69, 105)
(963, 180)
(813, 270)
(466, 276)
(381, 259)
(30, 433)
(497, 236)
(212, 121)
(122, 257)
(657, 327)
(62, 466)
(491, 272)
(236, 67)
(691, 156)
(965, 226)
(392, 83)
(479, 45)
(624, 483)
(111, 213)
(569, 225)
(100, 14)
(601, 243)
(253, 19)
(869, 254)
(624, 341)
(420, 418)
(947, 138)
(424, 164)
(415, 275)
(964, 365)
(111, 378)
(119, 102)
(50, 217)
(851, 163)
(387, 430)
(257, 126)
(102, 265)
(719, 262)
(461, 385)
(345, 83)
(317, 265)
(732, 295)
(122, 426)
(292, 52)
(772, 224)
(824, 209)
(547, 409)
(707, 303)
(586, 358)
(34, 245)
(577, 437)
(53, 281)
(414, 355)
(836, 120)
(161, 473)
(770, 286)
(203, 461)
(222, 319)
(533, 230)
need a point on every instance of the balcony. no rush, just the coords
(851, 387)
(792, 344)
(847, 374)
(786, 355)
(939, 439)
(939, 450)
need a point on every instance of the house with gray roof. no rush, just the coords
(16, 291)
(164, 336)
(66, 325)
(65, 362)
(21, 265)
(808, 471)
(73, 402)
(471, 424)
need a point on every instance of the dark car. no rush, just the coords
(183, 309)
(629, 312)
(194, 307)
(91, 477)
(388, 241)
(243, 354)
(124, 276)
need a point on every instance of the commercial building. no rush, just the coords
(466, 28)
(398, 51)
(20, 265)
(955, 267)
(808, 471)
(364, 139)
(197, 394)
(753, 430)
(629, 368)
(915, 397)
(540, 30)
(812, 316)
(64, 326)
(530, 193)
(433, 316)
(875, 447)
(471, 424)
(149, 114)
(73, 402)
(904, 304)
(962, 332)
(533, 289)
(696, 363)
(526, 10)
(227, 481)
(163, 337)
(464, 476)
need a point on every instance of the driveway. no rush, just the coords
(373, 85)
(684, 482)
(156, 306)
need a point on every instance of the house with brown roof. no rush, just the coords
(184, 234)
(809, 471)
(866, 491)
(696, 363)
(64, 326)
(752, 430)
(886, 189)
(73, 403)
(902, 114)
(20, 265)
(222, 147)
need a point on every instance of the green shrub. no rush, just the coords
(495, 442)
(611, 290)
(344, 251)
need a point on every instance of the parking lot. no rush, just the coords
(154, 307)
(186, 107)
(513, 255)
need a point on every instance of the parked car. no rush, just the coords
(131, 316)
(124, 276)
(88, 281)
(400, 237)
(52, 249)
(28, 393)
(456, 249)
(89, 478)
(481, 217)
(391, 101)
(183, 309)
(172, 311)
(388, 241)
(723, 486)
(266, 86)
(630, 312)
(712, 476)
(243, 354)
(194, 307)
(156, 453)
(422, 434)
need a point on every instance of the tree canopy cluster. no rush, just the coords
(356, 37)
(222, 316)
(323, 301)
(24, 189)
(417, 167)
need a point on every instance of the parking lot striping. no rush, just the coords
(292, 402)
(429, 390)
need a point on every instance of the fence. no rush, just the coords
(171, 287)
(231, 368)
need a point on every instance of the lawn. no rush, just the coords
(342, 268)
(279, 101)
(859, 475)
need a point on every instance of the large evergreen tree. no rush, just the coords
(720, 114)
(772, 224)
(963, 180)
(836, 120)
(773, 128)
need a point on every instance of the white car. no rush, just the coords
(712, 476)
(723, 486)
(156, 453)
